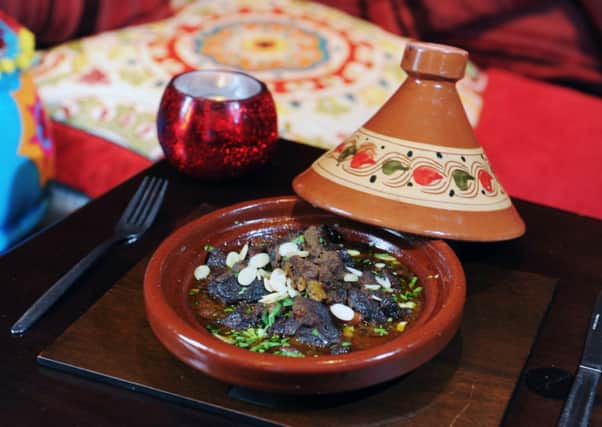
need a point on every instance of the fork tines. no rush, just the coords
(145, 204)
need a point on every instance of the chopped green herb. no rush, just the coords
(209, 248)
(247, 337)
(287, 302)
(346, 344)
(412, 293)
(212, 328)
(272, 342)
(242, 290)
(300, 239)
(322, 241)
(315, 332)
(228, 309)
(271, 317)
(193, 291)
(381, 331)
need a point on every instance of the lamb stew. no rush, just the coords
(309, 294)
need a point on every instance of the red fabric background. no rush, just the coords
(556, 40)
(543, 142)
(56, 21)
(90, 163)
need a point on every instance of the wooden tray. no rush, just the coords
(470, 382)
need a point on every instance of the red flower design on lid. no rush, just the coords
(485, 180)
(426, 175)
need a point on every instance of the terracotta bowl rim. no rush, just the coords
(212, 347)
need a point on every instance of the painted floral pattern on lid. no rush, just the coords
(414, 172)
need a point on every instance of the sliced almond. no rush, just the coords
(262, 274)
(350, 277)
(372, 287)
(380, 265)
(353, 252)
(354, 271)
(278, 280)
(410, 304)
(259, 260)
(243, 252)
(376, 298)
(273, 297)
(232, 258)
(201, 272)
(267, 285)
(287, 248)
(301, 254)
(383, 281)
(342, 312)
(247, 275)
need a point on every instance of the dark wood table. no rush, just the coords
(558, 244)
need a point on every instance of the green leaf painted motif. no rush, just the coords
(461, 179)
(391, 166)
(348, 151)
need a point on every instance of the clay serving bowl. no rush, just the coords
(169, 276)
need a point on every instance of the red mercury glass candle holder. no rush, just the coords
(217, 124)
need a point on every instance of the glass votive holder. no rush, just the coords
(217, 124)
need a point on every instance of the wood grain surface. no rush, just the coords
(467, 383)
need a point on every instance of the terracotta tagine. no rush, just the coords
(416, 166)
(169, 277)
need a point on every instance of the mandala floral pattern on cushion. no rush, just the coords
(328, 72)
(414, 172)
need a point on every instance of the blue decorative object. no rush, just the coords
(26, 151)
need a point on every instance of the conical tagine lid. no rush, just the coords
(416, 166)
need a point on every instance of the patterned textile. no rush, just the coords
(26, 150)
(328, 72)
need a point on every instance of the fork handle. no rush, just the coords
(52, 295)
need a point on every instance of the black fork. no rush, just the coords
(135, 220)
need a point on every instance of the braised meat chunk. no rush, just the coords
(228, 291)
